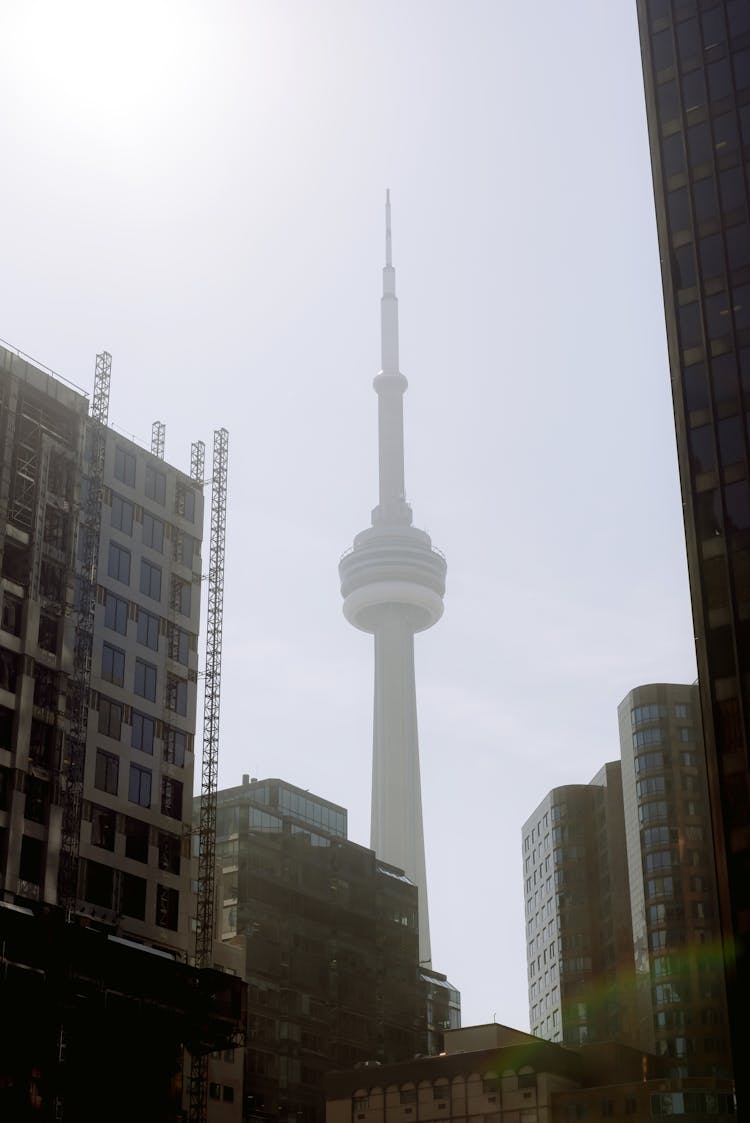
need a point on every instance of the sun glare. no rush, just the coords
(92, 66)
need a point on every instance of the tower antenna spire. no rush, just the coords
(388, 259)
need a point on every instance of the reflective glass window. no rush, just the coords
(678, 210)
(673, 154)
(684, 263)
(731, 444)
(713, 27)
(711, 256)
(738, 14)
(718, 318)
(742, 69)
(668, 101)
(693, 90)
(704, 199)
(738, 246)
(741, 310)
(702, 449)
(726, 135)
(719, 79)
(662, 49)
(691, 332)
(737, 500)
(699, 144)
(732, 188)
(689, 43)
(724, 372)
(696, 387)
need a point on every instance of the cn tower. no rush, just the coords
(393, 582)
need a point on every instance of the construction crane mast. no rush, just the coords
(210, 764)
(89, 534)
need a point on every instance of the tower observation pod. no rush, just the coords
(393, 582)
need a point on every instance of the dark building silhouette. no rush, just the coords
(332, 949)
(696, 66)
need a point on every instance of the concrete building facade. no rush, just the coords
(696, 71)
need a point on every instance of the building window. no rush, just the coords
(214, 1091)
(227, 1094)
(175, 743)
(167, 907)
(145, 680)
(136, 839)
(171, 797)
(169, 852)
(116, 614)
(148, 629)
(139, 787)
(143, 732)
(177, 694)
(113, 665)
(103, 827)
(179, 645)
(150, 580)
(110, 718)
(133, 902)
(107, 772)
(185, 502)
(153, 532)
(118, 565)
(184, 548)
(156, 485)
(122, 514)
(180, 597)
(125, 467)
(99, 884)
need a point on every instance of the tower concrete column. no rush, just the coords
(393, 582)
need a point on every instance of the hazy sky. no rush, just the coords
(198, 188)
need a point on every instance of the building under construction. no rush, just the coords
(100, 579)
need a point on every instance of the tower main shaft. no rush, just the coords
(393, 582)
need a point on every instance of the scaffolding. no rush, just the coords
(90, 526)
(197, 461)
(158, 438)
(210, 765)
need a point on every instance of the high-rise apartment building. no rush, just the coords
(578, 949)
(679, 977)
(696, 68)
(137, 784)
(332, 948)
(108, 954)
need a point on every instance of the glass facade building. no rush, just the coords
(331, 938)
(681, 1003)
(696, 66)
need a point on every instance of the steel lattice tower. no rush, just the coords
(210, 766)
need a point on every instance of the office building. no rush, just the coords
(502, 1075)
(679, 978)
(130, 901)
(332, 948)
(392, 582)
(578, 943)
(696, 68)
